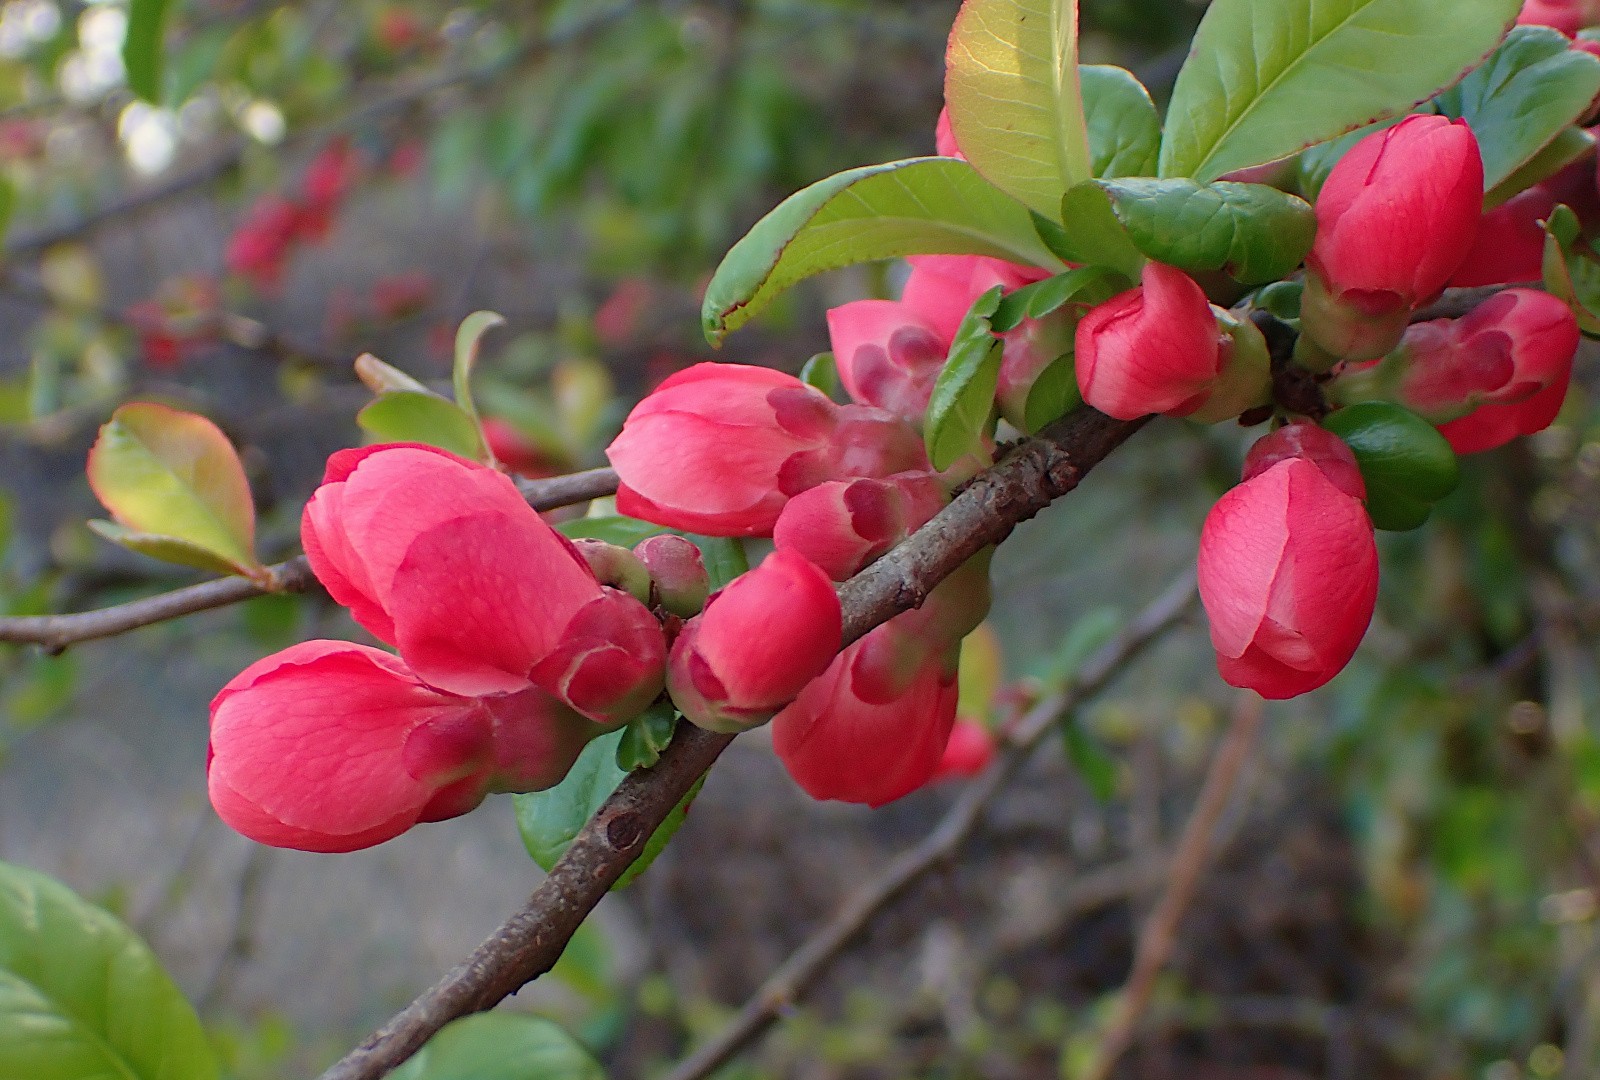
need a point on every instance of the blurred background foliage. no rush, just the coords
(1412, 892)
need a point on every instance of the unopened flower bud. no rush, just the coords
(1246, 364)
(1152, 349)
(616, 566)
(679, 572)
(843, 525)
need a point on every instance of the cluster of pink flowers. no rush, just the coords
(260, 247)
(516, 647)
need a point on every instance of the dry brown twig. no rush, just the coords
(1161, 929)
(785, 985)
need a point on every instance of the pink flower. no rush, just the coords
(1489, 426)
(1152, 349)
(718, 449)
(1512, 346)
(1288, 565)
(968, 752)
(758, 642)
(887, 355)
(1568, 16)
(875, 725)
(843, 525)
(333, 746)
(1510, 242)
(442, 558)
(944, 137)
(941, 288)
(260, 245)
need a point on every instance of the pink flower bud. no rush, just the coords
(843, 525)
(443, 558)
(758, 642)
(968, 752)
(941, 288)
(1510, 242)
(610, 661)
(615, 566)
(1288, 565)
(333, 746)
(875, 724)
(1395, 219)
(1568, 16)
(1029, 350)
(1489, 426)
(944, 136)
(719, 449)
(1152, 349)
(679, 572)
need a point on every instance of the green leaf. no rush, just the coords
(646, 736)
(921, 206)
(1098, 768)
(81, 996)
(1532, 88)
(1282, 300)
(963, 395)
(468, 336)
(1086, 636)
(1568, 273)
(165, 473)
(1254, 232)
(1053, 394)
(550, 819)
(410, 416)
(1124, 130)
(1266, 78)
(724, 558)
(822, 372)
(166, 548)
(501, 1046)
(1092, 234)
(142, 48)
(1011, 84)
(1087, 284)
(1406, 464)
(1570, 145)
(613, 529)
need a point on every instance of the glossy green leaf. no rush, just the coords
(1124, 129)
(1266, 78)
(1011, 85)
(613, 529)
(724, 558)
(963, 395)
(413, 416)
(166, 473)
(1086, 284)
(1092, 235)
(143, 47)
(1532, 88)
(82, 997)
(1569, 273)
(1254, 232)
(469, 335)
(166, 548)
(501, 1046)
(645, 736)
(1053, 394)
(549, 820)
(1406, 464)
(822, 372)
(921, 206)
(1568, 146)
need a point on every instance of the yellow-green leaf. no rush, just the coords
(172, 474)
(422, 417)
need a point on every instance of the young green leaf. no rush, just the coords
(550, 819)
(169, 474)
(1092, 234)
(382, 378)
(1406, 464)
(1571, 144)
(646, 736)
(1569, 274)
(1086, 284)
(822, 372)
(1254, 232)
(1053, 394)
(1097, 768)
(921, 206)
(1266, 78)
(613, 529)
(82, 996)
(1532, 88)
(724, 558)
(1011, 84)
(501, 1046)
(422, 417)
(142, 47)
(963, 395)
(1124, 130)
(468, 336)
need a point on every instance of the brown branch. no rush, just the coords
(529, 943)
(806, 964)
(56, 632)
(1161, 930)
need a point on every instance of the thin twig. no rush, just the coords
(1161, 930)
(529, 943)
(1458, 302)
(56, 632)
(806, 964)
